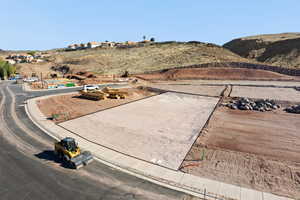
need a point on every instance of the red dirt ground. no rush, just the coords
(252, 149)
(69, 106)
(274, 134)
(217, 73)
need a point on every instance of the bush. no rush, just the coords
(32, 53)
(6, 69)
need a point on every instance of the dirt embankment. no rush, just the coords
(222, 73)
(155, 56)
(250, 148)
(277, 49)
(66, 107)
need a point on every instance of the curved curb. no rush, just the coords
(159, 181)
(185, 183)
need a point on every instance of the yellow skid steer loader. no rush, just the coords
(68, 151)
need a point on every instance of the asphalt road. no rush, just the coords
(29, 170)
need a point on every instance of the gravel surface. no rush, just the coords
(159, 129)
(282, 94)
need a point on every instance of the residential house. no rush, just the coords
(72, 47)
(93, 44)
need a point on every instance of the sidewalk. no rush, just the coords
(177, 180)
(27, 88)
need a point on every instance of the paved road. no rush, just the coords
(29, 170)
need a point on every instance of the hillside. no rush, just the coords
(150, 57)
(276, 49)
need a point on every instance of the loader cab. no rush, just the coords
(69, 144)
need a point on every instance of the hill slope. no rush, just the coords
(150, 57)
(277, 49)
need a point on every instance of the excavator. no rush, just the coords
(70, 154)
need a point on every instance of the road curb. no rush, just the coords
(131, 171)
(26, 87)
(186, 183)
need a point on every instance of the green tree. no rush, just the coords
(11, 69)
(6, 69)
(32, 53)
(3, 72)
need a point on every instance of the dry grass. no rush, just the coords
(148, 58)
(273, 37)
(275, 49)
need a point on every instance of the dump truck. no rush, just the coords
(114, 93)
(70, 154)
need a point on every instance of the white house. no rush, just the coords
(72, 47)
(93, 44)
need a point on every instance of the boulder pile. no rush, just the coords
(258, 105)
(293, 109)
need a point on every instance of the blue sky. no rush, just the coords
(46, 24)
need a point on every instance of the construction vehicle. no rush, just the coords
(70, 154)
(114, 93)
(93, 94)
(97, 94)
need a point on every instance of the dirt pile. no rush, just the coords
(216, 73)
(277, 49)
(248, 104)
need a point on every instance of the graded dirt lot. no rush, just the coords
(253, 149)
(282, 94)
(275, 134)
(233, 82)
(192, 89)
(160, 129)
(70, 106)
(225, 73)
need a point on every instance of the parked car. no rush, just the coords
(32, 79)
(12, 78)
(90, 87)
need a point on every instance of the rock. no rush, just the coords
(293, 109)
(234, 107)
(258, 105)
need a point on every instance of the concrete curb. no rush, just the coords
(176, 180)
(28, 89)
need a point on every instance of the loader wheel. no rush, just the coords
(66, 159)
(60, 155)
(72, 165)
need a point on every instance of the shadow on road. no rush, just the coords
(49, 155)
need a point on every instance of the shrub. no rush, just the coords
(6, 69)
(32, 53)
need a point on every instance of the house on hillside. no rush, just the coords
(93, 44)
(72, 47)
(77, 46)
(130, 43)
(10, 61)
(83, 45)
(108, 44)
